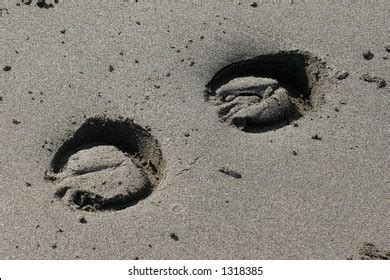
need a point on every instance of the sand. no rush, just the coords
(122, 91)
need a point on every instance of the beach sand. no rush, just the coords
(141, 77)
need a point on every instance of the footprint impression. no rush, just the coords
(106, 165)
(268, 91)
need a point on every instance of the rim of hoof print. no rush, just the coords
(268, 91)
(106, 164)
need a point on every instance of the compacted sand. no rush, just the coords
(194, 129)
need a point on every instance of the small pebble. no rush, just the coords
(174, 236)
(316, 137)
(229, 172)
(368, 55)
(341, 75)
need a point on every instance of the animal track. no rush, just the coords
(268, 91)
(106, 165)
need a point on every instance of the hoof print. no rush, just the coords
(268, 91)
(106, 165)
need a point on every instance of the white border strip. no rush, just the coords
(118, 270)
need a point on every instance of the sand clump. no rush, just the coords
(254, 101)
(100, 177)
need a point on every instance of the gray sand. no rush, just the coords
(280, 195)
(101, 174)
(255, 100)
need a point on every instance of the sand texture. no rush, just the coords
(194, 129)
